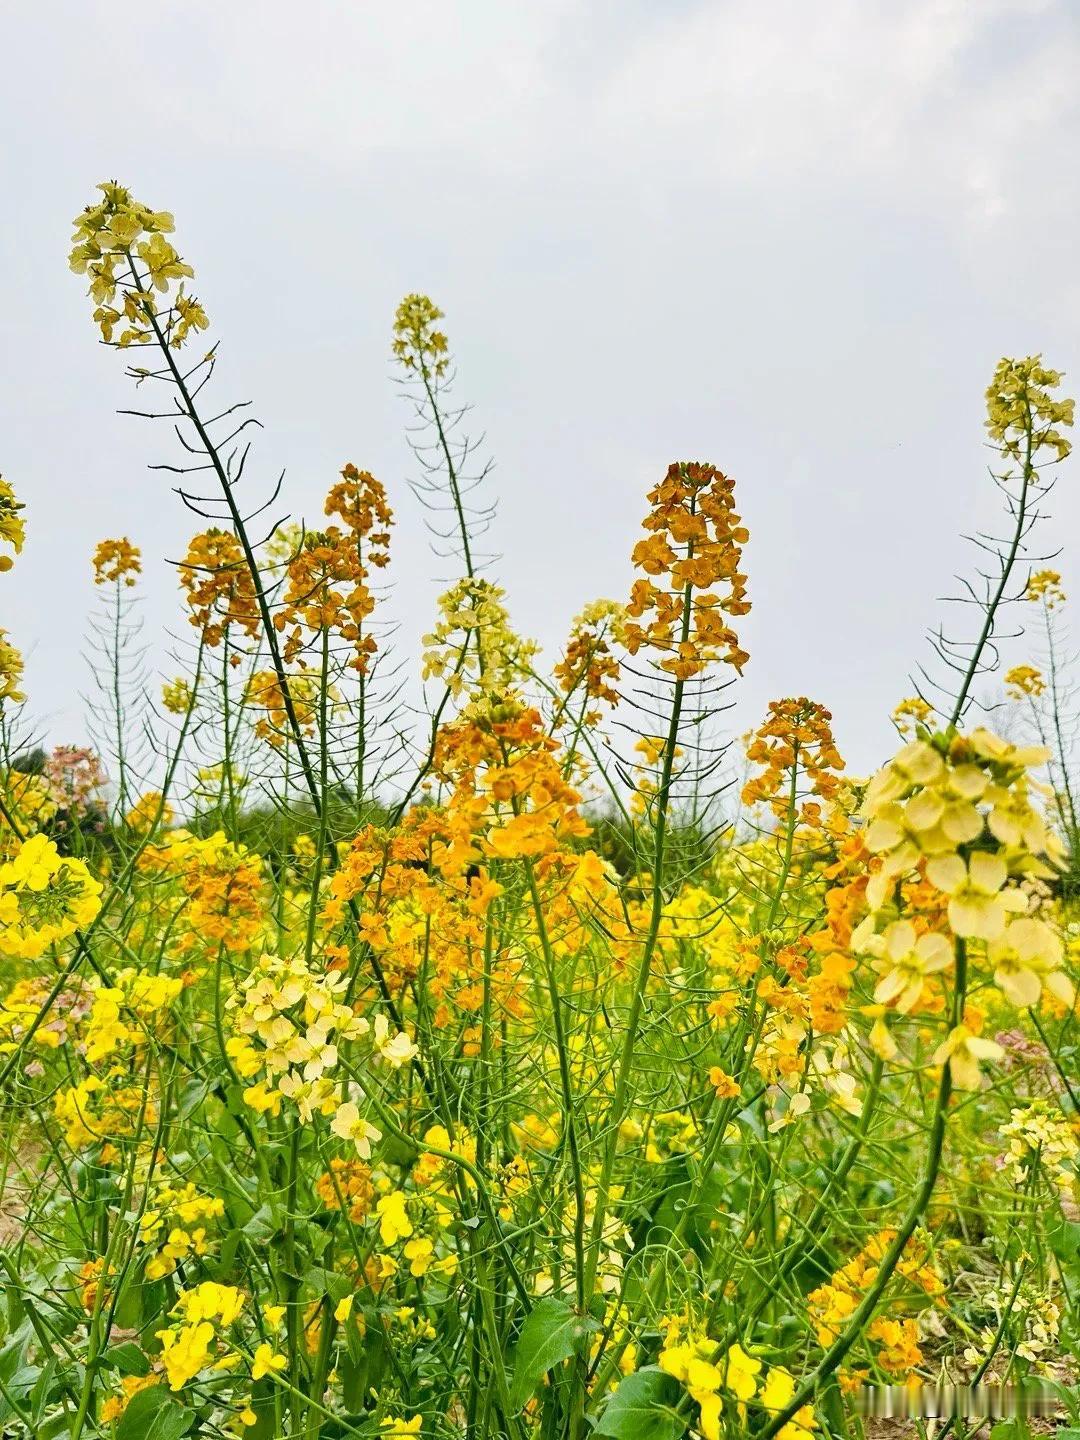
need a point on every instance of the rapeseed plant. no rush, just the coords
(482, 1068)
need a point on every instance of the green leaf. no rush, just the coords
(129, 1307)
(376, 1356)
(154, 1415)
(1064, 1240)
(354, 1339)
(228, 1248)
(264, 1402)
(13, 1355)
(395, 1151)
(260, 1228)
(42, 1392)
(354, 1373)
(641, 1408)
(318, 1282)
(552, 1333)
(127, 1358)
(56, 1427)
(192, 1096)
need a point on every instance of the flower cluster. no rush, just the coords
(12, 525)
(218, 587)
(117, 561)
(955, 813)
(177, 695)
(29, 805)
(44, 898)
(511, 797)
(327, 579)
(76, 777)
(831, 1304)
(589, 666)
(11, 669)
(418, 345)
(266, 693)
(396, 1211)
(796, 736)
(1019, 404)
(691, 558)
(128, 1014)
(101, 1110)
(12, 533)
(909, 714)
(148, 812)
(962, 805)
(1039, 1136)
(1044, 588)
(1024, 680)
(473, 649)
(347, 1186)
(1032, 1315)
(196, 1340)
(174, 1228)
(22, 1006)
(711, 1375)
(221, 882)
(288, 1024)
(120, 244)
(130, 1386)
(408, 917)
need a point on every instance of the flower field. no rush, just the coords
(483, 1045)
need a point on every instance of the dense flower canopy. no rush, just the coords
(506, 1052)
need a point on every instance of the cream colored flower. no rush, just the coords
(962, 1050)
(1027, 957)
(349, 1124)
(978, 904)
(797, 1106)
(310, 1097)
(915, 765)
(905, 961)
(396, 1048)
(1001, 752)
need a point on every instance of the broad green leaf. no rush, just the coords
(1064, 1240)
(264, 1401)
(354, 1338)
(56, 1427)
(260, 1228)
(641, 1408)
(354, 1372)
(552, 1333)
(192, 1096)
(13, 1355)
(154, 1415)
(127, 1358)
(129, 1306)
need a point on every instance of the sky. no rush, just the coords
(789, 239)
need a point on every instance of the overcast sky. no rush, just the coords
(788, 238)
